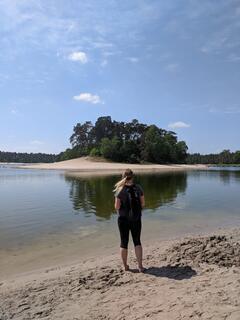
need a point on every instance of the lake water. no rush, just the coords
(42, 209)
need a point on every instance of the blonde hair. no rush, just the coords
(126, 176)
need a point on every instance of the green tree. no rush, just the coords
(83, 136)
(110, 148)
(126, 141)
(181, 151)
(155, 149)
(21, 157)
(130, 152)
(236, 157)
(103, 128)
(95, 152)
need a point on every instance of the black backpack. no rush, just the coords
(133, 203)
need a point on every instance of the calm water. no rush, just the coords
(38, 204)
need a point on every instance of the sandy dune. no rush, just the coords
(86, 164)
(191, 278)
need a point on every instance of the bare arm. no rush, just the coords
(117, 203)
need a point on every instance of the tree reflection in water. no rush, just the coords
(221, 174)
(93, 195)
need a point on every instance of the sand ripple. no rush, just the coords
(197, 278)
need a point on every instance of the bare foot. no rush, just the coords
(141, 269)
(126, 268)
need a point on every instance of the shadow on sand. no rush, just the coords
(171, 272)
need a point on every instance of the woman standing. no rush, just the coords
(129, 201)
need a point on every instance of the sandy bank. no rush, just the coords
(191, 278)
(88, 165)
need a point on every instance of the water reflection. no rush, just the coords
(35, 203)
(93, 195)
(229, 176)
(161, 189)
(226, 176)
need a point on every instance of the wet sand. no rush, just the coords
(78, 244)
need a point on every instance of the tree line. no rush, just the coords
(131, 142)
(27, 157)
(224, 157)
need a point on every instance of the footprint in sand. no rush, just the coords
(234, 315)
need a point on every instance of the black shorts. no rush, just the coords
(125, 226)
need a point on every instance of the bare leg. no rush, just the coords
(139, 253)
(124, 254)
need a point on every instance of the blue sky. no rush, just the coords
(173, 63)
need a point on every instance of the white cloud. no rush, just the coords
(88, 97)
(172, 67)
(104, 63)
(14, 111)
(78, 56)
(133, 59)
(178, 124)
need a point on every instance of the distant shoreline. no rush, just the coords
(86, 165)
(224, 165)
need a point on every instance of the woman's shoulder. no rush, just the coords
(119, 192)
(139, 187)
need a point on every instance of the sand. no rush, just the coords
(187, 278)
(88, 165)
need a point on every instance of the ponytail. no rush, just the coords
(119, 185)
(127, 175)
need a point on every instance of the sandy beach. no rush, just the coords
(195, 277)
(88, 165)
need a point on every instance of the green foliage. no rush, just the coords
(151, 145)
(181, 151)
(110, 148)
(131, 142)
(95, 152)
(161, 146)
(103, 129)
(225, 157)
(69, 154)
(130, 152)
(237, 157)
(75, 152)
(27, 157)
(82, 135)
